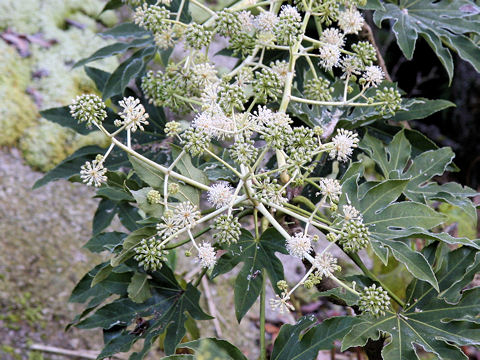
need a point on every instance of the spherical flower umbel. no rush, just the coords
(133, 114)
(343, 144)
(93, 173)
(333, 36)
(88, 108)
(299, 245)
(282, 304)
(355, 236)
(325, 265)
(154, 197)
(373, 75)
(350, 21)
(228, 228)
(329, 56)
(186, 214)
(374, 300)
(220, 194)
(331, 189)
(150, 254)
(350, 213)
(266, 21)
(206, 255)
(167, 227)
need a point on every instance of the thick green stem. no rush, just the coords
(263, 347)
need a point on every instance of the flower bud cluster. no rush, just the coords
(88, 108)
(374, 300)
(228, 229)
(150, 254)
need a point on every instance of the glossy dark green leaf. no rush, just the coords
(128, 216)
(443, 33)
(421, 108)
(106, 211)
(125, 30)
(99, 77)
(105, 242)
(427, 320)
(165, 310)
(61, 116)
(114, 193)
(206, 347)
(113, 49)
(295, 343)
(126, 71)
(256, 255)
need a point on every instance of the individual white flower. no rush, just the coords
(204, 74)
(282, 304)
(350, 213)
(165, 39)
(344, 143)
(281, 68)
(93, 173)
(186, 214)
(373, 75)
(214, 122)
(265, 116)
(220, 194)
(350, 21)
(266, 21)
(133, 113)
(209, 95)
(291, 12)
(299, 245)
(325, 265)
(333, 36)
(167, 227)
(331, 188)
(206, 255)
(329, 56)
(351, 65)
(247, 20)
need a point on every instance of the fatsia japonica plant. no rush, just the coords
(295, 148)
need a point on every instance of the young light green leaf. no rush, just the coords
(139, 289)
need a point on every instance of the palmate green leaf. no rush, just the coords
(427, 320)
(295, 343)
(388, 220)
(443, 24)
(113, 284)
(165, 310)
(207, 347)
(393, 159)
(256, 255)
